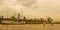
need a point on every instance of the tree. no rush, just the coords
(42, 19)
(49, 19)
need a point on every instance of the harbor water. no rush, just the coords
(30, 27)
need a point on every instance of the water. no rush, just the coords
(30, 27)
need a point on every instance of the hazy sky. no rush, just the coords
(31, 8)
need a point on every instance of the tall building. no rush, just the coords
(18, 16)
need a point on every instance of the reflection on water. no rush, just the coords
(30, 27)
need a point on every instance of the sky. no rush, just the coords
(31, 8)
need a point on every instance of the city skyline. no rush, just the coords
(38, 8)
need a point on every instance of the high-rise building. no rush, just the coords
(18, 16)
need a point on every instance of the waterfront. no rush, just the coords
(30, 27)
